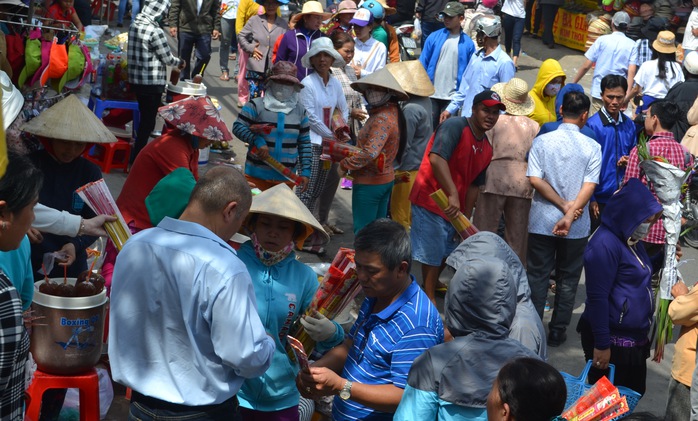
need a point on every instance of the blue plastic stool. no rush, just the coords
(100, 105)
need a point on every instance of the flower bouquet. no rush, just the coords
(97, 196)
(666, 181)
(337, 290)
(461, 223)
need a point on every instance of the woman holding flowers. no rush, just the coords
(284, 288)
(619, 305)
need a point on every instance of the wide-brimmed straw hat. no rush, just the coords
(345, 7)
(322, 45)
(196, 116)
(381, 79)
(311, 7)
(515, 96)
(69, 119)
(281, 201)
(412, 77)
(665, 42)
(284, 71)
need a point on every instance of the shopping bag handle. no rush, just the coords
(585, 372)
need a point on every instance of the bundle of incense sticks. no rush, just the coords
(97, 196)
(462, 224)
(338, 288)
(279, 167)
(335, 151)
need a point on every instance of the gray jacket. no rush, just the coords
(479, 311)
(527, 327)
(417, 113)
(257, 31)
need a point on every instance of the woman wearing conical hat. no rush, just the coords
(379, 139)
(65, 170)
(284, 288)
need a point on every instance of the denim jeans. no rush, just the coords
(546, 252)
(135, 8)
(187, 41)
(428, 28)
(513, 30)
(229, 42)
(139, 411)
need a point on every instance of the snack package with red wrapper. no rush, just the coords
(593, 404)
(337, 151)
(299, 352)
(337, 290)
(339, 126)
(279, 167)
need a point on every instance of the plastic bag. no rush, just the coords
(417, 28)
(106, 396)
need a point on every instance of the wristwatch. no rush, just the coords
(345, 393)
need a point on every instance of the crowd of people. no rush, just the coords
(552, 177)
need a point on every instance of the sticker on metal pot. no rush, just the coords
(79, 327)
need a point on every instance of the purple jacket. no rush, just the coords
(619, 294)
(293, 46)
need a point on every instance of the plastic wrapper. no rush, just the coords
(97, 196)
(337, 290)
(335, 151)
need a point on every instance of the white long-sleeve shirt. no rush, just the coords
(56, 222)
(370, 55)
(316, 97)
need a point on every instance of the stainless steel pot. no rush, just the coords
(68, 340)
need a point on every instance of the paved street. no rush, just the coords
(567, 358)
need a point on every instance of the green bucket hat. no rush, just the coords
(170, 195)
(32, 60)
(76, 66)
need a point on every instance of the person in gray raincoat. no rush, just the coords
(527, 327)
(452, 380)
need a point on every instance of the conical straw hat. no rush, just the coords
(383, 79)
(412, 77)
(69, 119)
(281, 201)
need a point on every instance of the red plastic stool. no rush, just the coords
(108, 156)
(87, 383)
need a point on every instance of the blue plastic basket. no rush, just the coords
(577, 386)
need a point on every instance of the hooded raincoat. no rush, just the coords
(545, 105)
(527, 327)
(452, 380)
(619, 294)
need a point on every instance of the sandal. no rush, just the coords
(335, 229)
(328, 229)
(232, 56)
(441, 288)
(224, 76)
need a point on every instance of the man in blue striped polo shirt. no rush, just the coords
(396, 323)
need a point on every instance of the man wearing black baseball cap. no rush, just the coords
(455, 161)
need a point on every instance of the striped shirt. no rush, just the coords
(14, 342)
(288, 143)
(384, 346)
(660, 144)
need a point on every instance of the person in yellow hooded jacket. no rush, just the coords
(550, 79)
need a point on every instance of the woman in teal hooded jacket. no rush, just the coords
(284, 288)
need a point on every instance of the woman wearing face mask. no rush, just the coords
(284, 288)
(619, 305)
(550, 79)
(289, 140)
(373, 183)
(321, 95)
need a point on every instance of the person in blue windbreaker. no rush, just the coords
(284, 288)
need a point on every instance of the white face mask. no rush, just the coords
(376, 98)
(639, 233)
(282, 92)
(551, 89)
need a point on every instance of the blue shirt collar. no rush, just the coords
(494, 55)
(387, 312)
(193, 229)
